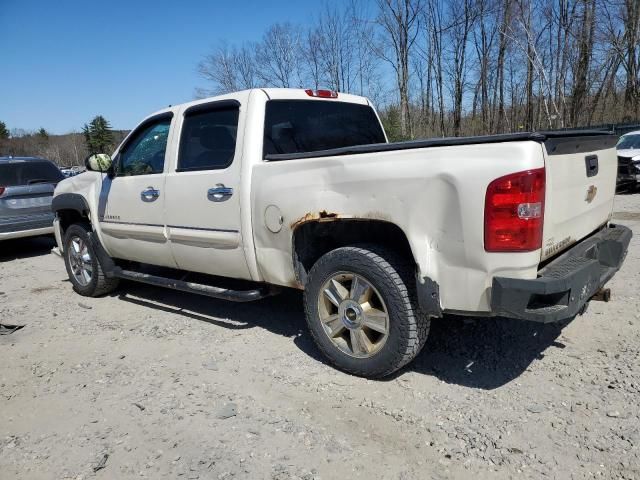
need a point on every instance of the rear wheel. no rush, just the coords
(361, 310)
(83, 267)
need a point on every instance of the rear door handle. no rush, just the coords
(220, 193)
(150, 194)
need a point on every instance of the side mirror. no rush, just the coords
(99, 162)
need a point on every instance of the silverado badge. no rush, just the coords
(591, 193)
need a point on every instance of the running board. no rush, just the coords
(199, 288)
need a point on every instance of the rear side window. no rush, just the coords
(300, 126)
(28, 173)
(208, 140)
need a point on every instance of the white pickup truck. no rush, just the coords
(300, 188)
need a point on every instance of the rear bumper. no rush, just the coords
(565, 284)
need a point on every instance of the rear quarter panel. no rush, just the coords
(435, 195)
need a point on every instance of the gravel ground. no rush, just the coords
(149, 383)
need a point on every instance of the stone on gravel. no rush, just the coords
(536, 408)
(227, 411)
(101, 463)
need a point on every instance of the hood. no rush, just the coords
(78, 182)
(628, 153)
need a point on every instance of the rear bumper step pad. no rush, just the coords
(567, 283)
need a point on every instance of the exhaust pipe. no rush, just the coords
(602, 295)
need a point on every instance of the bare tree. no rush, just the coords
(220, 69)
(464, 67)
(458, 34)
(335, 30)
(313, 55)
(398, 20)
(621, 27)
(485, 35)
(278, 56)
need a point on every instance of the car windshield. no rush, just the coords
(28, 173)
(301, 126)
(629, 142)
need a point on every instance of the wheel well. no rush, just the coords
(68, 217)
(313, 239)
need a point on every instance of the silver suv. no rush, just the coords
(26, 189)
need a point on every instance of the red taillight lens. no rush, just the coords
(514, 212)
(1, 190)
(322, 93)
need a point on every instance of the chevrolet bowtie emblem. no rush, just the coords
(591, 193)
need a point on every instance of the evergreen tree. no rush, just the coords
(98, 135)
(4, 132)
(43, 134)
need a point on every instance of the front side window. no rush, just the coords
(144, 153)
(208, 140)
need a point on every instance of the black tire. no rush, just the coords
(99, 284)
(393, 278)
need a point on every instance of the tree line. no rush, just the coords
(448, 68)
(65, 150)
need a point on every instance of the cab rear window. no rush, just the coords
(27, 173)
(302, 126)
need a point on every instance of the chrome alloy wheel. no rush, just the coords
(353, 315)
(80, 261)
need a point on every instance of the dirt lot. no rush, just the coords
(158, 384)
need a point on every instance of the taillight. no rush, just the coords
(514, 212)
(322, 93)
(1, 190)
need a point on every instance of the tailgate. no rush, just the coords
(581, 171)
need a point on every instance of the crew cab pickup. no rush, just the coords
(276, 188)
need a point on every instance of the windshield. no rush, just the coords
(301, 126)
(28, 173)
(629, 142)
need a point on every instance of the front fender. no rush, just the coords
(70, 201)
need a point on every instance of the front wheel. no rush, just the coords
(361, 310)
(83, 267)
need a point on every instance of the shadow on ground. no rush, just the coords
(481, 353)
(628, 189)
(484, 352)
(25, 247)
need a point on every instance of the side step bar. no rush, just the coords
(199, 288)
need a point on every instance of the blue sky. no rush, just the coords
(63, 62)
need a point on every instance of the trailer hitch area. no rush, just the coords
(602, 295)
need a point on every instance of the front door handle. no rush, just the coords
(150, 194)
(220, 193)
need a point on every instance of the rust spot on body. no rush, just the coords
(324, 216)
(320, 216)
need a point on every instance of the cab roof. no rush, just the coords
(271, 94)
